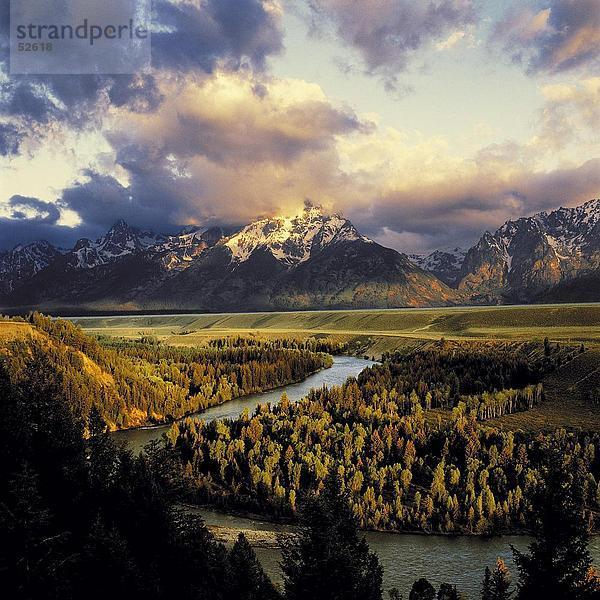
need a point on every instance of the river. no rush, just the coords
(342, 368)
(404, 557)
(459, 560)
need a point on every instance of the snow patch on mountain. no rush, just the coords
(445, 263)
(566, 231)
(292, 240)
(121, 240)
(23, 262)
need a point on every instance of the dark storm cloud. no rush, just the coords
(24, 207)
(102, 200)
(556, 36)
(29, 219)
(219, 33)
(388, 33)
(25, 231)
(192, 37)
(139, 94)
(457, 212)
(10, 139)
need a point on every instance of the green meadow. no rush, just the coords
(379, 331)
(386, 328)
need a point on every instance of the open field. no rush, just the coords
(384, 329)
(565, 404)
(380, 331)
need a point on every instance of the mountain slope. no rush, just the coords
(310, 261)
(24, 262)
(114, 269)
(445, 264)
(533, 258)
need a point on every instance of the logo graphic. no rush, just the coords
(78, 37)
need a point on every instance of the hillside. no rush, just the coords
(143, 382)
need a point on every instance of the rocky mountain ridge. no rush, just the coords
(311, 260)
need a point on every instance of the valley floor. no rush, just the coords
(380, 330)
(375, 332)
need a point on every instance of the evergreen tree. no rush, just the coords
(486, 588)
(501, 582)
(422, 590)
(558, 561)
(328, 560)
(448, 592)
(247, 580)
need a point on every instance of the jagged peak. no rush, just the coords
(36, 244)
(120, 225)
(292, 240)
(592, 206)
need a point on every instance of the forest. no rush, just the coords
(404, 467)
(134, 383)
(404, 446)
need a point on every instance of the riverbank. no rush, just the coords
(405, 557)
(286, 522)
(198, 413)
(343, 367)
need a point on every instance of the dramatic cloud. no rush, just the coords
(226, 149)
(457, 212)
(389, 33)
(557, 36)
(211, 137)
(24, 219)
(227, 121)
(188, 37)
(231, 149)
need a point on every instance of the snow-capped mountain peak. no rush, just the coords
(121, 240)
(445, 263)
(25, 261)
(292, 240)
(529, 255)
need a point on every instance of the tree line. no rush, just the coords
(143, 382)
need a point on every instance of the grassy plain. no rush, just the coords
(386, 329)
(378, 331)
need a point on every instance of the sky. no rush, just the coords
(424, 122)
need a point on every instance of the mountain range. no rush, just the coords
(309, 261)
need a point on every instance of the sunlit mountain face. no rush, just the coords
(309, 260)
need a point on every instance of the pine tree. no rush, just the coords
(448, 592)
(558, 560)
(501, 582)
(422, 590)
(486, 588)
(328, 560)
(247, 580)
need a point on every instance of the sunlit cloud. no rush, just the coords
(563, 36)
